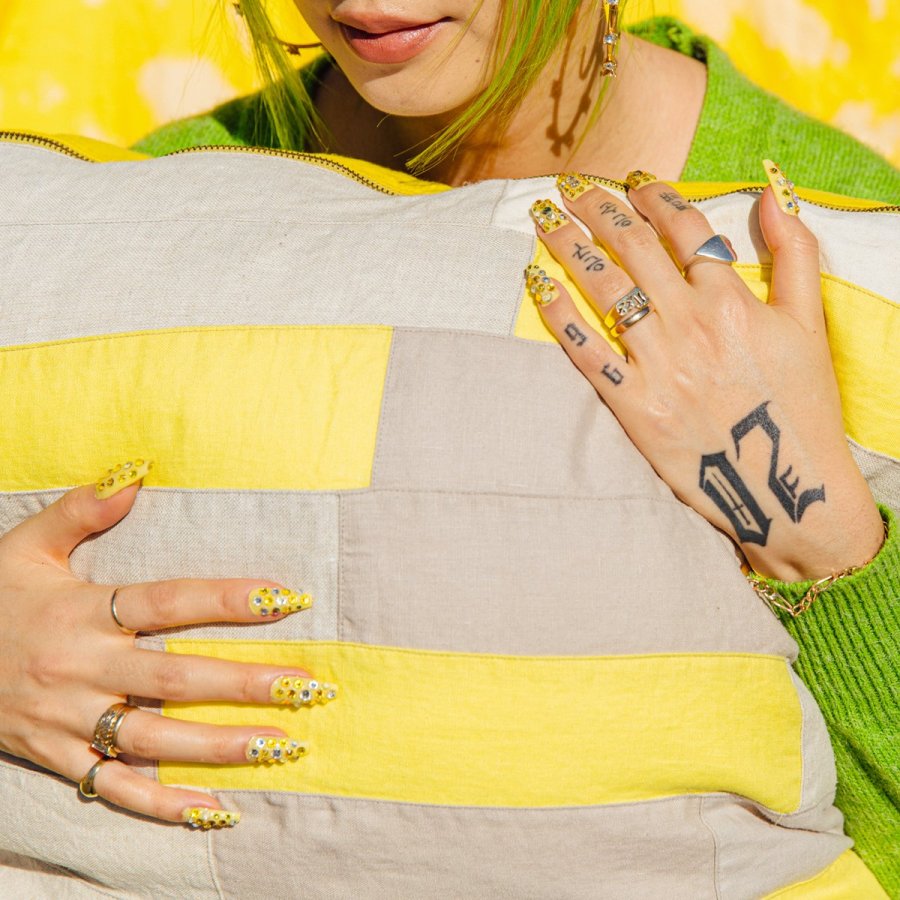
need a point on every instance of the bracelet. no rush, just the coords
(777, 601)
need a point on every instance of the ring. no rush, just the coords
(115, 614)
(86, 785)
(107, 729)
(718, 249)
(633, 301)
(624, 324)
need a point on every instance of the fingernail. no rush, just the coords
(289, 690)
(120, 477)
(573, 186)
(548, 216)
(783, 188)
(637, 178)
(276, 602)
(201, 817)
(539, 285)
(266, 749)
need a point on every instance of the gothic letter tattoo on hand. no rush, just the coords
(722, 483)
(780, 485)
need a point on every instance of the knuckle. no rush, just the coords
(802, 240)
(638, 238)
(172, 681)
(143, 742)
(162, 601)
(221, 749)
(247, 685)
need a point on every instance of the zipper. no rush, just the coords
(23, 137)
(37, 140)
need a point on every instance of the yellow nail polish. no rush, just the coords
(276, 602)
(548, 216)
(539, 285)
(267, 749)
(572, 186)
(288, 690)
(201, 817)
(637, 179)
(120, 477)
(783, 188)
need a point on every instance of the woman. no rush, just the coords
(422, 67)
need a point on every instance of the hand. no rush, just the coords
(63, 661)
(733, 402)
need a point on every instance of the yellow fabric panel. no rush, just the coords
(489, 730)
(847, 878)
(863, 330)
(256, 408)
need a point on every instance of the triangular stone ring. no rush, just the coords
(718, 248)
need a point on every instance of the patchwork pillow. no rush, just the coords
(555, 681)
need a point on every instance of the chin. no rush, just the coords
(399, 94)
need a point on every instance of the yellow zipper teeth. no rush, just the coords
(310, 158)
(23, 137)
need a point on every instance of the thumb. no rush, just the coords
(56, 531)
(796, 272)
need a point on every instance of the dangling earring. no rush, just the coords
(610, 39)
(289, 48)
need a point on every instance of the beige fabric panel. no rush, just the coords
(882, 472)
(291, 537)
(525, 575)
(353, 849)
(42, 818)
(26, 879)
(200, 239)
(754, 858)
(478, 413)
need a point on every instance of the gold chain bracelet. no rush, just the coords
(776, 601)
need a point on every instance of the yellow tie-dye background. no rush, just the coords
(114, 69)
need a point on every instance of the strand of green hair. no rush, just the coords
(528, 34)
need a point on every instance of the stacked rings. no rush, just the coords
(107, 729)
(628, 311)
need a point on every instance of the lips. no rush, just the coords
(383, 40)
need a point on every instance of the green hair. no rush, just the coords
(528, 34)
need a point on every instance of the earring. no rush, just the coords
(610, 38)
(289, 48)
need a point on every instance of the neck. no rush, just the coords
(647, 119)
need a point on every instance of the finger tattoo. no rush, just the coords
(592, 262)
(614, 375)
(574, 334)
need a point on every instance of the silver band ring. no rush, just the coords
(717, 249)
(634, 300)
(86, 785)
(628, 321)
(115, 615)
(106, 731)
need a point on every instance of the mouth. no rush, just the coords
(386, 40)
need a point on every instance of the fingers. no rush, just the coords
(600, 279)
(183, 678)
(684, 229)
(167, 604)
(796, 271)
(122, 786)
(588, 349)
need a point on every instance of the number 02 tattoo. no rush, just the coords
(721, 482)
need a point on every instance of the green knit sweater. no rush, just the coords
(849, 649)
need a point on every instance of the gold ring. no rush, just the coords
(115, 614)
(107, 729)
(623, 308)
(86, 785)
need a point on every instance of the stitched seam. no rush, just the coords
(715, 841)
(339, 588)
(211, 862)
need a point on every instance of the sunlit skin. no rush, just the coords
(378, 111)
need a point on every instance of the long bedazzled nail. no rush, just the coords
(783, 188)
(120, 477)
(572, 185)
(267, 749)
(201, 817)
(290, 690)
(539, 285)
(638, 178)
(276, 602)
(548, 216)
